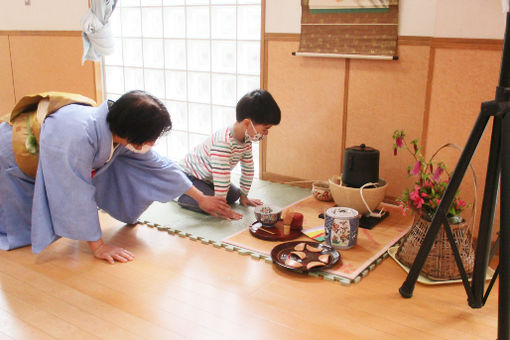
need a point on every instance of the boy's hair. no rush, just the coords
(138, 117)
(260, 107)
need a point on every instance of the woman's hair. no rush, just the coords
(138, 117)
(260, 107)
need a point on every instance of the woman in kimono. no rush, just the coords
(89, 158)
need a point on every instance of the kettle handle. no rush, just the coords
(371, 213)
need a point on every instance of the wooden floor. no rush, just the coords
(182, 289)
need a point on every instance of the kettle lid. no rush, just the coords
(362, 148)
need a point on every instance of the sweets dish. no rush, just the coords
(304, 256)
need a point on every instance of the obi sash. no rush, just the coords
(26, 119)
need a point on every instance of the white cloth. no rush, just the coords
(506, 5)
(97, 34)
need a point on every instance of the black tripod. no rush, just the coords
(498, 176)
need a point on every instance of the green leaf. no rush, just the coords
(31, 145)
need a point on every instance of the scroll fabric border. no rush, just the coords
(357, 31)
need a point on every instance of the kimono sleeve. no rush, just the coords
(64, 197)
(134, 181)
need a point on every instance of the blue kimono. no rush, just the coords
(63, 199)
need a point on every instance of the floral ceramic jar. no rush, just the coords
(320, 190)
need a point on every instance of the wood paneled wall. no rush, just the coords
(433, 92)
(310, 110)
(6, 84)
(385, 96)
(37, 61)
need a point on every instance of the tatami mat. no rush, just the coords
(230, 235)
(205, 226)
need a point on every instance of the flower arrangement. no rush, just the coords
(431, 181)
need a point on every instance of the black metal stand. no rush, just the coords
(498, 176)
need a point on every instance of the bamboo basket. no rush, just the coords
(440, 264)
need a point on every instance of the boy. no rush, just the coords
(209, 165)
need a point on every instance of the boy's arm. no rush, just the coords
(220, 167)
(247, 169)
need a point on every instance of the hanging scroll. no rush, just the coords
(349, 28)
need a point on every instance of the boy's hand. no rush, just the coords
(245, 201)
(109, 252)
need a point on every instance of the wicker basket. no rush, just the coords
(440, 264)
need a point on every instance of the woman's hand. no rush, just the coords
(245, 201)
(216, 206)
(109, 252)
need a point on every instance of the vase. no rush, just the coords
(440, 264)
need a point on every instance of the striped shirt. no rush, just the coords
(214, 159)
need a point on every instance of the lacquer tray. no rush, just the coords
(280, 253)
(273, 232)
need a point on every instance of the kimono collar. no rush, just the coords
(104, 137)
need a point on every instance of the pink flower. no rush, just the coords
(429, 182)
(437, 174)
(415, 193)
(460, 204)
(416, 198)
(416, 168)
(418, 202)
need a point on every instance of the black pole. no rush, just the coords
(503, 99)
(487, 217)
(504, 74)
(504, 258)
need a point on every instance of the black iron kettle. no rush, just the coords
(361, 165)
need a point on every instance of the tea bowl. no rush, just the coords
(321, 191)
(268, 214)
